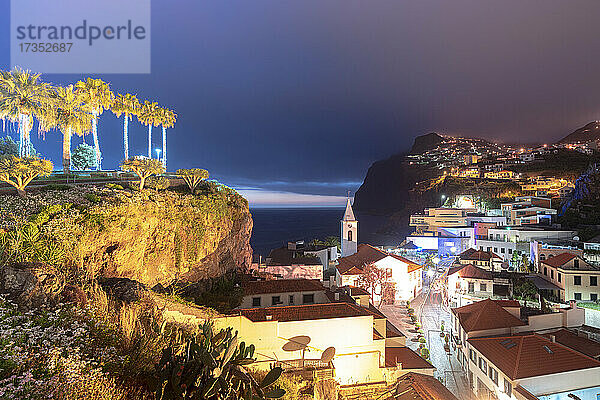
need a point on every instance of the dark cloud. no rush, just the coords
(316, 90)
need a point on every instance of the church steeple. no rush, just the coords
(349, 231)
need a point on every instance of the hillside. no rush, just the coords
(587, 133)
(151, 237)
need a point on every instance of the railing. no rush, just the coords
(308, 369)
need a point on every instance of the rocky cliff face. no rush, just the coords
(150, 237)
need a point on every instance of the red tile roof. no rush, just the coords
(559, 260)
(366, 255)
(281, 286)
(415, 386)
(406, 356)
(484, 315)
(391, 331)
(284, 256)
(478, 255)
(305, 312)
(521, 357)
(470, 271)
(578, 343)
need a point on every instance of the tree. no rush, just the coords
(8, 147)
(525, 289)
(68, 116)
(20, 171)
(192, 176)
(330, 241)
(143, 167)
(128, 105)
(167, 120)
(84, 157)
(212, 366)
(23, 97)
(98, 97)
(374, 280)
(149, 115)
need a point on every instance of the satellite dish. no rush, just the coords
(328, 355)
(296, 343)
(576, 238)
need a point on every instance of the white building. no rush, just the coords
(404, 275)
(349, 231)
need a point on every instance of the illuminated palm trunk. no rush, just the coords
(164, 149)
(150, 141)
(126, 136)
(24, 142)
(66, 156)
(96, 143)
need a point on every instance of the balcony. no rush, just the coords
(309, 369)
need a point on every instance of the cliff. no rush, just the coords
(587, 133)
(151, 237)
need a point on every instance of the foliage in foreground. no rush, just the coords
(212, 366)
(19, 172)
(192, 176)
(143, 167)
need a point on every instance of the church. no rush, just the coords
(404, 276)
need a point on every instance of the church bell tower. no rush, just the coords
(349, 231)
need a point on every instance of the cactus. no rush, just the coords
(212, 367)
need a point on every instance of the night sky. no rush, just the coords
(302, 96)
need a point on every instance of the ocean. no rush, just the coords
(274, 227)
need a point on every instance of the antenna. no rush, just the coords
(328, 355)
(297, 343)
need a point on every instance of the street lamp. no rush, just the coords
(158, 153)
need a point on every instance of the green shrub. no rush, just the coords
(57, 186)
(114, 186)
(158, 183)
(211, 366)
(92, 198)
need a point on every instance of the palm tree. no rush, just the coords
(127, 105)
(69, 115)
(98, 97)
(23, 96)
(167, 120)
(149, 115)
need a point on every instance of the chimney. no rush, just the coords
(553, 338)
(337, 296)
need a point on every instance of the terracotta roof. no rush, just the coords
(485, 314)
(521, 357)
(366, 255)
(285, 256)
(470, 271)
(415, 386)
(305, 312)
(406, 356)
(357, 291)
(578, 343)
(559, 260)
(282, 286)
(478, 255)
(391, 331)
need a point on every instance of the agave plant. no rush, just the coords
(212, 367)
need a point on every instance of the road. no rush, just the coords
(431, 311)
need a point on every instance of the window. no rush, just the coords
(256, 302)
(576, 263)
(308, 298)
(493, 374)
(559, 277)
(275, 300)
(542, 257)
(545, 270)
(472, 355)
(482, 287)
(551, 274)
(502, 250)
(577, 280)
(594, 296)
(471, 287)
(483, 365)
(489, 249)
(593, 281)
(507, 387)
(509, 251)
(495, 249)
(349, 236)
(577, 296)
(291, 299)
